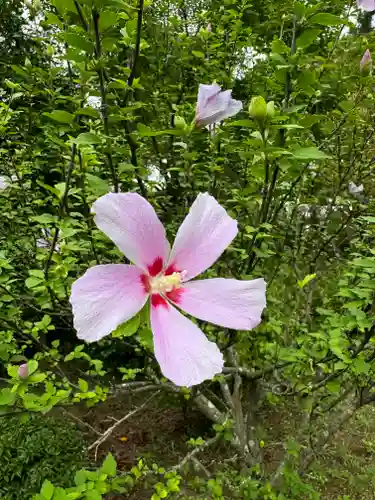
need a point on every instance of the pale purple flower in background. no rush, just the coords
(354, 189)
(108, 295)
(366, 5)
(209, 27)
(366, 59)
(23, 371)
(214, 105)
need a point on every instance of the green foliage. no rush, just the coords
(100, 96)
(34, 449)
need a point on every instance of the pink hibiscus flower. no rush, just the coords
(108, 295)
(214, 105)
(366, 5)
(366, 60)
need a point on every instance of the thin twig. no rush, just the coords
(109, 431)
(74, 417)
(196, 450)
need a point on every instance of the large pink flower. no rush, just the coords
(108, 295)
(214, 105)
(366, 5)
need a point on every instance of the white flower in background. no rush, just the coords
(94, 101)
(46, 241)
(155, 174)
(354, 189)
(6, 181)
(305, 210)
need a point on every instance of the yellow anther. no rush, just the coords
(165, 284)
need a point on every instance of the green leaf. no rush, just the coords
(311, 153)
(32, 366)
(87, 138)
(327, 19)
(78, 41)
(306, 280)
(32, 282)
(83, 385)
(61, 495)
(307, 38)
(7, 397)
(109, 466)
(53, 19)
(88, 111)
(93, 495)
(97, 185)
(369, 219)
(241, 123)
(107, 19)
(63, 5)
(80, 477)
(145, 131)
(127, 329)
(61, 116)
(361, 366)
(47, 490)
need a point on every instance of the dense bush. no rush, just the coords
(36, 448)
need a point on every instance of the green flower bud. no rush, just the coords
(258, 108)
(179, 122)
(271, 110)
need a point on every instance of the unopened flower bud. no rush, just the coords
(366, 63)
(23, 371)
(270, 110)
(258, 108)
(179, 122)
